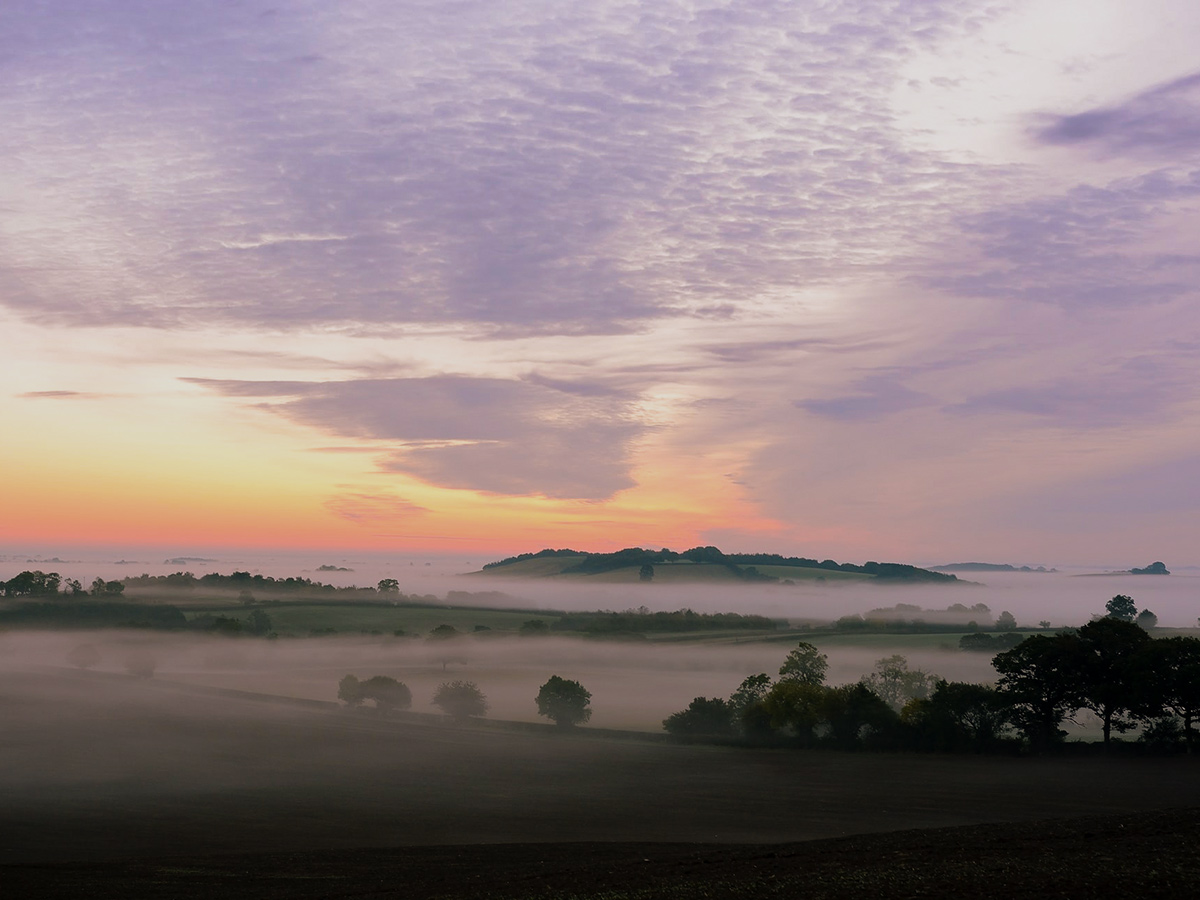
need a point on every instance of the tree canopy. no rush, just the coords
(461, 700)
(565, 702)
(805, 665)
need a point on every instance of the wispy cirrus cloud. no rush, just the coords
(373, 508)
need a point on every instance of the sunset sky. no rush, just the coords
(911, 280)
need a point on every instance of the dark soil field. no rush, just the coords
(114, 787)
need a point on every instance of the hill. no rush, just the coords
(700, 564)
(988, 567)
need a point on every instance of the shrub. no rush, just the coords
(460, 700)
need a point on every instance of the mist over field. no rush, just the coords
(634, 685)
(1068, 597)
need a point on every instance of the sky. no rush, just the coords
(906, 280)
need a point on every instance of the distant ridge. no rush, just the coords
(988, 567)
(701, 563)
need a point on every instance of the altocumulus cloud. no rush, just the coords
(516, 166)
(490, 434)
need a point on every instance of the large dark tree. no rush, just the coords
(387, 692)
(805, 665)
(1166, 674)
(703, 716)
(1107, 682)
(1039, 679)
(1121, 607)
(565, 702)
(855, 715)
(31, 584)
(959, 717)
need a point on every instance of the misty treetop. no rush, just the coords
(386, 692)
(461, 700)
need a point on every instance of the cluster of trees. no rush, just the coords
(1110, 667)
(801, 709)
(744, 565)
(248, 584)
(37, 584)
(567, 703)
(642, 621)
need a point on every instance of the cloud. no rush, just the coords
(555, 169)
(875, 397)
(373, 508)
(1081, 249)
(490, 434)
(1136, 390)
(1162, 119)
(58, 395)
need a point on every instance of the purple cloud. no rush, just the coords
(1077, 249)
(488, 434)
(1163, 119)
(572, 169)
(875, 397)
(1136, 390)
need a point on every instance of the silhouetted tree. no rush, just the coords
(387, 692)
(703, 716)
(1146, 620)
(389, 586)
(752, 689)
(805, 665)
(1166, 674)
(795, 707)
(565, 702)
(350, 691)
(534, 628)
(958, 717)
(461, 700)
(1121, 607)
(1106, 682)
(1039, 679)
(31, 584)
(856, 715)
(646, 573)
(1006, 621)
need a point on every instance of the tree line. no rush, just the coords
(1110, 667)
(567, 703)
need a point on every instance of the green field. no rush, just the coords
(352, 618)
(892, 641)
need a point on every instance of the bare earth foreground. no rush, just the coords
(114, 787)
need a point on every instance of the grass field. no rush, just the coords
(351, 618)
(105, 768)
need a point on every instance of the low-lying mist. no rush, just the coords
(634, 685)
(1065, 598)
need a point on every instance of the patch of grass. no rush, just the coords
(893, 641)
(348, 618)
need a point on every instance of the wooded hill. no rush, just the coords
(700, 564)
